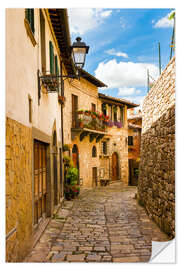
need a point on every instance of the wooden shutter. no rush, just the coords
(51, 55)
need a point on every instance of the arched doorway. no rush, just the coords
(115, 167)
(55, 167)
(75, 157)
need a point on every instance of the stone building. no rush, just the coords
(99, 151)
(41, 117)
(156, 184)
(134, 142)
(114, 146)
(37, 47)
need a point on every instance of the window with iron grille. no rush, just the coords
(30, 17)
(130, 140)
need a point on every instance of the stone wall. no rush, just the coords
(18, 190)
(156, 187)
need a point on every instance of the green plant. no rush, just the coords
(66, 159)
(66, 147)
(72, 175)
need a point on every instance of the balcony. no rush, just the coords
(89, 123)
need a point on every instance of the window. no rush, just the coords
(43, 43)
(51, 56)
(30, 18)
(104, 108)
(130, 140)
(30, 110)
(94, 151)
(104, 148)
(122, 115)
(93, 107)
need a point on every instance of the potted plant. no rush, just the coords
(81, 123)
(66, 147)
(61, 99)
(80, 111)
(66, 160)
(72, 188)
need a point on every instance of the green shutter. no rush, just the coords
(29, 14)
(51, 54)
(56, 66)
(32, 20)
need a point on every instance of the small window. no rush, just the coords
(30, 18)
(93, 107)
(104, 109)
(94, 151)
(130, 140)
(104, 148)
(30, 110)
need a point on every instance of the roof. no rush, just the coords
(134, 126)
(118, 100)
(92, 79)
(59, 21)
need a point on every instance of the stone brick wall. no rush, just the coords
(18, 190)
(156, 187)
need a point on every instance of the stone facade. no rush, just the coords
(134, 142)
(18, 190)
(156, 187)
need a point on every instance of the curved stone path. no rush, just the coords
(104, 224)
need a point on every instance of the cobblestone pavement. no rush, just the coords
(103, 224)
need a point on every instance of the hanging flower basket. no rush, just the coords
(61, 99)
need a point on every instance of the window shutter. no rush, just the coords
(51, 54)
(32, 20)
(29, 14)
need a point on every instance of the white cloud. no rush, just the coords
(164, 22)
(137, 100)
(106, 13)
(82, 20)
(125, 74)
(113, 52)
(123, 91)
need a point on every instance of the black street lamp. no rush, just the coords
(79, 51)
(50, 81)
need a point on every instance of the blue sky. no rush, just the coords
(123, 45)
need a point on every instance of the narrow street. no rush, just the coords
(105, 224)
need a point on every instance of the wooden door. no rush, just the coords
(94, 176)
(115, 170)
(74, 111)
(40, 180)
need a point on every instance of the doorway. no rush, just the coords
(40, 180)
(115, 167)
(94, 176)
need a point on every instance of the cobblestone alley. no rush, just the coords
(105, 224)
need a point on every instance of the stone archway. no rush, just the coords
(115, 166)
